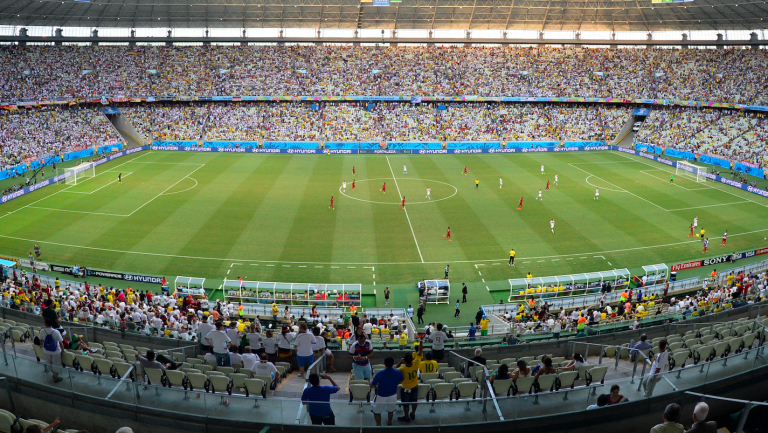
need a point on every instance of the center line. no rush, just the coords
(406, 211)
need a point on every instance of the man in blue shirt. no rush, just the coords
(385, 382)
(472, 332)
(639, 347)
(317, 398)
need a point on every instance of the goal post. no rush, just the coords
(692, 171)
(79, 173)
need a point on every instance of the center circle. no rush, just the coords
(392, 187)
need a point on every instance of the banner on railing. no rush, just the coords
(732, 258)
(40, 266)
(707, 159)
(381, 151)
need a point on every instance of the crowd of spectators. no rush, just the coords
(31, 133)
(376, 122)
(49, 72)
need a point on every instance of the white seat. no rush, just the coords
(523, 384)
(501, 387)
(545, 382)
(596, 374)
(255, 387)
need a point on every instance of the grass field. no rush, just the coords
(266, 217)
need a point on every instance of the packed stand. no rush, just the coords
(718, 138)
(673, 127)
(169, 122)
(752, 146)
(49, 72)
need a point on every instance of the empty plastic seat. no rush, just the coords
(427, 376)
(154, 376)
(204, 367)
(255, 387)
(123, 368)
(566, 379)
(105, 367)
(175, 378)
(596, 374)
(267, 382)
(703, 353)
(431, 382)
(86, 363)
(196, 381)
(523, 385)
(545, 382)
(219, 384)
(721, 349)
(678, 359)
(465, 390)
(502, 387)
(442, 391)
(225, 370)
(449, 376)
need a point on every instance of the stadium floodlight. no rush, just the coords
(80, 172)
(686, 169)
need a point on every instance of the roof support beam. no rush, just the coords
(511, 8)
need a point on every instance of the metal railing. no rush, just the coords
(474, 367)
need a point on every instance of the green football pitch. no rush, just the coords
(267, 218)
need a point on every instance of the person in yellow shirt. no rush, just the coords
(484, 326)
(275, 311)
(402, 340)
(418, 355)
(702, 233)
(410, 393)
(429, 365)
(512, 258)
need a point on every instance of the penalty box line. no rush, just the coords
(101, 187)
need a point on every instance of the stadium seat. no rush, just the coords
(105, 367)
(219, 384)
(523, 385)
(225, 370)
(596, 374)
(268, 382)
(434, 381)
(196, 381)
(703, 353)
(427, 376)
(174, 378)
(238, 381)
(545, 382)
(86, 363)
(255, 387)
(450, 375)
(123, 368)
(204, 367)
(359, 393)
(566, 379)
(154, 376)
(7, 420)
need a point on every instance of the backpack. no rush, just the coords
(49, 343)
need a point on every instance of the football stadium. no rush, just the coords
(382, 214)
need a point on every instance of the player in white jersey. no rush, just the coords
(555, 180)
(542, 168)
(695, 223)
(344, 186)
(552, 225)
(405, 169)
(539, 197)
(725, 235)
(597, 193)
(501, 182)
(429, 191)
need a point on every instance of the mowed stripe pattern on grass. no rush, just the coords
(275, 208)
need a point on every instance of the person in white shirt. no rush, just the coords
(265, 368)
(233, 334)
(202, 330)
(248, 358)
(660, 364)
(234, 357)
(220, 342)
(320, 349)
(53, 349)
(438, 338)
(367, 328)
(254, 339)
(303, 344)
(270, 345)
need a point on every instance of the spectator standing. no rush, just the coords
(671, 416)
(303, 343)
(472, 332)
(203, 330)
(284, 340)
(385, 382)
(409, 367)
(660, 363)
(438, 338)
(700, 413)
(360, 351)
(53, 346)
(220, 342)
(484, 326)
(464, 292)
(317, 398)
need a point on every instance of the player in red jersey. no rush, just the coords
(384, 188)
(331, 206)
(448, 235)
(520, 206)
(547, 186)
(353, 184)
(353, 170)
(691, 233)
(725, 235)
(402, 205)
(465, 169)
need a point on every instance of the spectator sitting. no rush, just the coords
(478, 357)
(159, 361)
(523, 370)
(34, 428)
(700, 413)
(576, 363)
(639, 347)
(671, 417)
(614, 397)
(545, 367)
(502, 373)
(265, 368)
(602, 400)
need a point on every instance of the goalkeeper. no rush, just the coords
(671, 179)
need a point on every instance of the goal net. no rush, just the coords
(695, 172)
(79, 173)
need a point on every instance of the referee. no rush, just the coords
(512, 258)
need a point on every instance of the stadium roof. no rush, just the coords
(618, 15)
